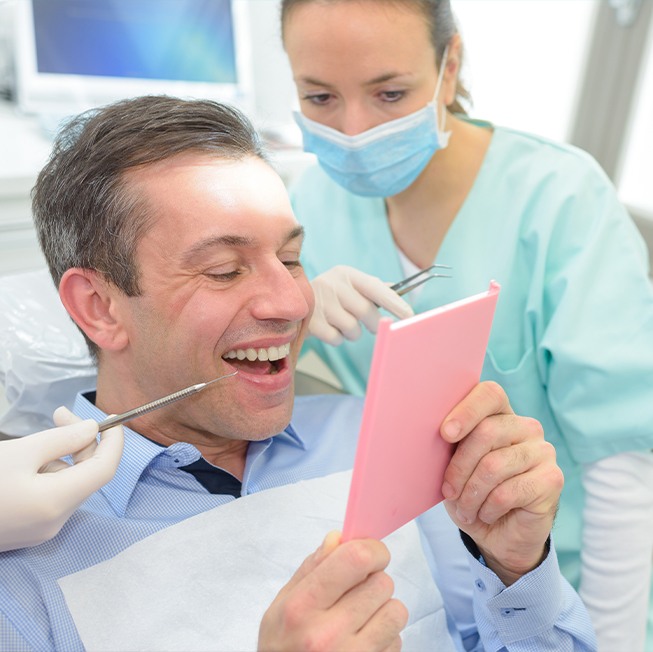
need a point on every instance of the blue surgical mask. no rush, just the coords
(382, 161)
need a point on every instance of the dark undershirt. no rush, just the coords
(213, 479)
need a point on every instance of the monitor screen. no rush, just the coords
(74, 54)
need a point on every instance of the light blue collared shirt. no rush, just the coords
(150, 492)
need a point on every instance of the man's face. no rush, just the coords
(220, 280)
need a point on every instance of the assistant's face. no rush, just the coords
(220, 280)
(359, 64)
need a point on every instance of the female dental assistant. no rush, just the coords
(405, 181)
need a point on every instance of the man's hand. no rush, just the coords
(503, 484)
(339, 599)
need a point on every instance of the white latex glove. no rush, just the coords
(38, 491)
(345, 297)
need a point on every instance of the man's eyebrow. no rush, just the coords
(297, 232)
(214, 242)
(231, 241)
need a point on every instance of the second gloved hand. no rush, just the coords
(345, 297)
(39, 491)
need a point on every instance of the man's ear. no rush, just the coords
(452, 70)
(92, 303)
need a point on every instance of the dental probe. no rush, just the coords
(117, 419)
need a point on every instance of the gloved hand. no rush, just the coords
(344, 297)
(38, 491)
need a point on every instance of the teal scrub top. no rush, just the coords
(572, 338)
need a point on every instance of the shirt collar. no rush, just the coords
(291, 434)
(139, 452)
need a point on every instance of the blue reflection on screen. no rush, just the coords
(177, 40)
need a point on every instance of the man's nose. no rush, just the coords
(281, 295)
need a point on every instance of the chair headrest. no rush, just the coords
(44, 360)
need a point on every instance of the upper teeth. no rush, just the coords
(271, 353)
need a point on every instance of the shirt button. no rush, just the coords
(507, 612)
(479, 585)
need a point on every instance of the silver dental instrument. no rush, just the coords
(117, 419)
(404, 286)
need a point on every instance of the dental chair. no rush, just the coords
(44, 360)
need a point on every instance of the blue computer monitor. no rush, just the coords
(75, 54)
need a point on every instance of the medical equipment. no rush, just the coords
(402, 287)
(158, 403)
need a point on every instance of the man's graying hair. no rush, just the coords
(85, 212)
(441, 24)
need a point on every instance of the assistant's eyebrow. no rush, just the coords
(231, 241)
(386, 76)
(313, 82)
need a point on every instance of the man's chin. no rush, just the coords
(259, 424)
(273, 425)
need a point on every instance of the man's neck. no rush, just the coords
(161, 427)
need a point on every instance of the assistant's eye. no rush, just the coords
(319, 99)
(392, 96)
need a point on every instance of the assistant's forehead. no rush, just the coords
(346, 45)
(365, 24)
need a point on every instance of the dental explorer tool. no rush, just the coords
(117, 419)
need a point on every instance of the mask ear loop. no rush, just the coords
(438, 84)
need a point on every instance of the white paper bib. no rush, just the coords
(205, 583)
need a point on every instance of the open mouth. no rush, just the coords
(260, 362)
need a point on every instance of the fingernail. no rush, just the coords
(330, 542)
(451, 428)
(447, 490)
(408, 310)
